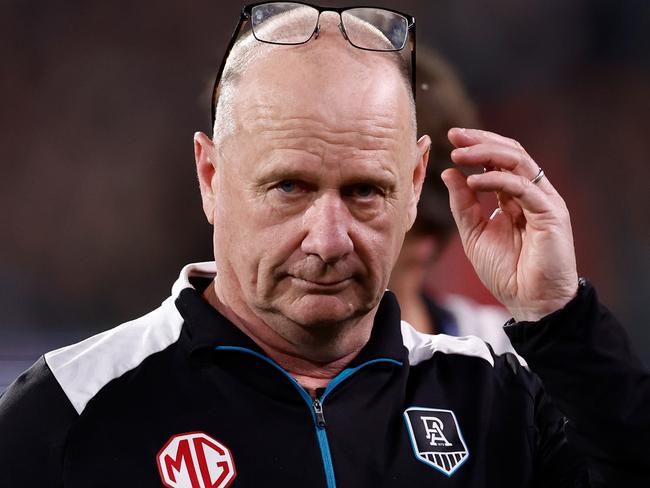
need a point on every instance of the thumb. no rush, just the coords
(463, 202)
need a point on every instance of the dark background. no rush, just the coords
(100, 204)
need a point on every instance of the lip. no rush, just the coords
(322, 285)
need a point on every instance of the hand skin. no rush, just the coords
(524, 252)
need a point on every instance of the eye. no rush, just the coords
(287, 186)
(363, 191)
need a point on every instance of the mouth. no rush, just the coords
(321, 286)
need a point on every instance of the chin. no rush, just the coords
(314, 311)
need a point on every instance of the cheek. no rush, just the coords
(255, 239)
(235, 241)
(379, 246)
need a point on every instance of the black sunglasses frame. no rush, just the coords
(245, 16)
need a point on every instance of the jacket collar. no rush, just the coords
(206, 328)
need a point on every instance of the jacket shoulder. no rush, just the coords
(427, 348)
(83, 369)
(35, 417)
(422, 347)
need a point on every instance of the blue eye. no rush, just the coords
(287, 186)
(363, 191)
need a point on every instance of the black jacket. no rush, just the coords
(584, 357)
(182, 398)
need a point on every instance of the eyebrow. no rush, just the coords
(274, 170)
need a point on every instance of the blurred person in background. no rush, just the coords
(442, 103)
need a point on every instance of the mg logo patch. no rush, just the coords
(436, 438)
(195, 460)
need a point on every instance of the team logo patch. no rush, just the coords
(195, 460)
(436, 438)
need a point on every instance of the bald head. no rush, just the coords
(326, 73)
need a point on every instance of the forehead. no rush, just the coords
(322, 140)
(325, 83)
(324, 101)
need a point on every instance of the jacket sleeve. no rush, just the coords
(584, 358)
(557, 462)
(35, 416)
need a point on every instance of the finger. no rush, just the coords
(501, 156)
(528, 195)
(509, 206)
(463, 202)
(463, 137)
(496, 155)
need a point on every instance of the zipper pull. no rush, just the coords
(318, 410)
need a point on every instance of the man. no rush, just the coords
(285, 363)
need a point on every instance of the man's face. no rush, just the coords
(314, 192)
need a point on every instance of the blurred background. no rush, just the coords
(100, 100)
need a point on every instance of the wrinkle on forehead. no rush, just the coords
(364, 133)
(366, 139)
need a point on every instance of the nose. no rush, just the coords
(327, 223)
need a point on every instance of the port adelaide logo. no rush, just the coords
(436, 438)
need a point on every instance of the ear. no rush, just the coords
(419, 172)
(205, 170)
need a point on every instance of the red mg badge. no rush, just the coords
(195, 460)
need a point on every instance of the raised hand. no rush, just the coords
(524, 252)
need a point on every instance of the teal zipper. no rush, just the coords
(315, 405)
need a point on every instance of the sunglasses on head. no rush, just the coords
(293, 23)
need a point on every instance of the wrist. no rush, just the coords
(567, 321)
(538, 309)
